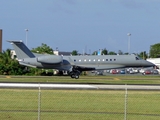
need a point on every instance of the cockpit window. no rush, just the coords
(138, 58)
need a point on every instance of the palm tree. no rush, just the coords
(8, 65)
(5, 59)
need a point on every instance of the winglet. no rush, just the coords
(71, 61)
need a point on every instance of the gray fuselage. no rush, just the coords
(98, 62)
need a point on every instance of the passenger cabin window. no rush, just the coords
(74, 60)
(106, 59)
(110, 59)
(114, 59)
(79, 60)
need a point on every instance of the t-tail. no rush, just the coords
(21, 49)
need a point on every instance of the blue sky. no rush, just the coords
(82, 25)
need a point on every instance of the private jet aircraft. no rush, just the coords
(75, 64)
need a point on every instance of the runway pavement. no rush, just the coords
(78, 86)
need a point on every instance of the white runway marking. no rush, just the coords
(54, 86)
(78, 86)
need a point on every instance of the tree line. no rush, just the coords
(10, 66)
(153, 53)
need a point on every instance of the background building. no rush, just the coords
(56, 52)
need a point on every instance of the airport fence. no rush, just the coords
(42, 104)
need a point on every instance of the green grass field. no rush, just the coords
(111, 79)
(18, 104)
(78, 104)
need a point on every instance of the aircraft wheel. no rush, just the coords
(76, 76)
(72, 76)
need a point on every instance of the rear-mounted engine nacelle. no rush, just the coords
(50, 59)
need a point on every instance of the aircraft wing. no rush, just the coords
(82, 68)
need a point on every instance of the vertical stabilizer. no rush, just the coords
(21, 50)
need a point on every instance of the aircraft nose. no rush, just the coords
(148, 64)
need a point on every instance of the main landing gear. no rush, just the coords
(75, 74)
